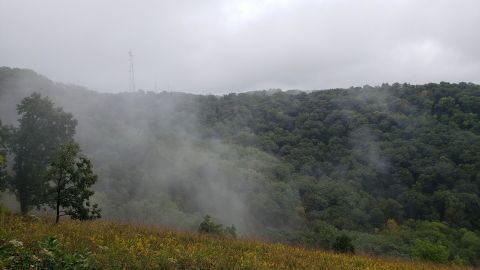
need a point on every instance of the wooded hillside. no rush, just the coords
(394, 167)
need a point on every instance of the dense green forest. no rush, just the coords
(396, 168)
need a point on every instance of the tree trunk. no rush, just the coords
(23, 207)
(58, 213)
(58, 206)
(59, 191)
(22, 198)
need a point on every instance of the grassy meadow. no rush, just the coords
(108, 245)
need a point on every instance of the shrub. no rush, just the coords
(424, 250)
(231, 231)
(343, 244)
(45, 254)
(208, 226)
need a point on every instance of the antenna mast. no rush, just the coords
(131, 86)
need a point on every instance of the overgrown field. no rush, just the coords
(31, 243)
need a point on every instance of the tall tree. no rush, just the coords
(70, 177)
(43, 128)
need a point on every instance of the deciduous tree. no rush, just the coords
(70, 178)
(43, 128)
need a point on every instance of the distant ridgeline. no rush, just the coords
(394, 167)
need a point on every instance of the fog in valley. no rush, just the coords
(344, 125)
(155, 164)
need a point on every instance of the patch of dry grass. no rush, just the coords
(119, 246)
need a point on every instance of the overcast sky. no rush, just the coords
(219, 46)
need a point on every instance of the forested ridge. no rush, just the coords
(396, 168)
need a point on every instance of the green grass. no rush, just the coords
(108, 245)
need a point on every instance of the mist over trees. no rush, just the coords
(42, 129)
(47, 166)
(384, 166)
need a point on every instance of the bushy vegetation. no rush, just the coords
(45, 254)
(27, 243)
(343, 244)
(210, 227)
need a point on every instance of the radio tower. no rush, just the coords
(131, 86)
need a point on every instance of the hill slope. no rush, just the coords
(396, 167)
(114, 246)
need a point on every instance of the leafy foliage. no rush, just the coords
(45, 254)
(379, 164)
(424, 250)
(43, 128)
(70, 177)
(208, 226)
(373, 153)
(343, 244)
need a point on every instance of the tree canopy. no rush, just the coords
(42, 129)
(384, 165)
(70, 177)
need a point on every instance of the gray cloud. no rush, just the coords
(238, 45)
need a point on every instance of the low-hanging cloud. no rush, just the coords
(237, 45)
(157, 164)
